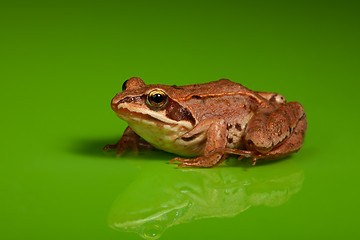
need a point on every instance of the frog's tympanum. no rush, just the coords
(208, 121)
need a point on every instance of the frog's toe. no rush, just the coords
(185, 164)
(201, 162)
(109, 146)
(182, 160)
(174, 160)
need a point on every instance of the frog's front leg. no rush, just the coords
(129, 140)
(215, 130)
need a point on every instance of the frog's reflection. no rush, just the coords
(160, 199)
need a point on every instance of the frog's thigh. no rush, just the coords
(266, 130)
(290, 145)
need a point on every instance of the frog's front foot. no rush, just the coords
(122, 145)
(129, 140)
(203, 161)
(125, 144)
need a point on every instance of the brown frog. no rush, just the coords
(208, 121)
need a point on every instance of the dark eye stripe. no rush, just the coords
(139, 99)
(177, 112)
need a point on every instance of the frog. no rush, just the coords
(205, 123)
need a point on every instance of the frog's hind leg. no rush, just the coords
(276, 134)
(290, 145)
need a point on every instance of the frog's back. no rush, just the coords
(223, 86)
(230, 101)
(222, 98)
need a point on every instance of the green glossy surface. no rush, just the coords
(62, 62)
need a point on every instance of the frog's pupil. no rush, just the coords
(157, 98)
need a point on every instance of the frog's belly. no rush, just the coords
(186, 150)
(168, 138)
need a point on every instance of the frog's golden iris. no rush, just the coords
(156, 99)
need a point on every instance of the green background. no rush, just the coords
(61, 62)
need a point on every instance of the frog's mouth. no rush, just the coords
(138, 116)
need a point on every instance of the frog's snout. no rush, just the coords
(116, 101)
(113, 106)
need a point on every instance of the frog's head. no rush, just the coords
(155, 112)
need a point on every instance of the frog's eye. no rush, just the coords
(124, 85)
(156, 99)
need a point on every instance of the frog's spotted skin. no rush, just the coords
(208, 121)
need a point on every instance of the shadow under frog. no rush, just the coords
(158, 200)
